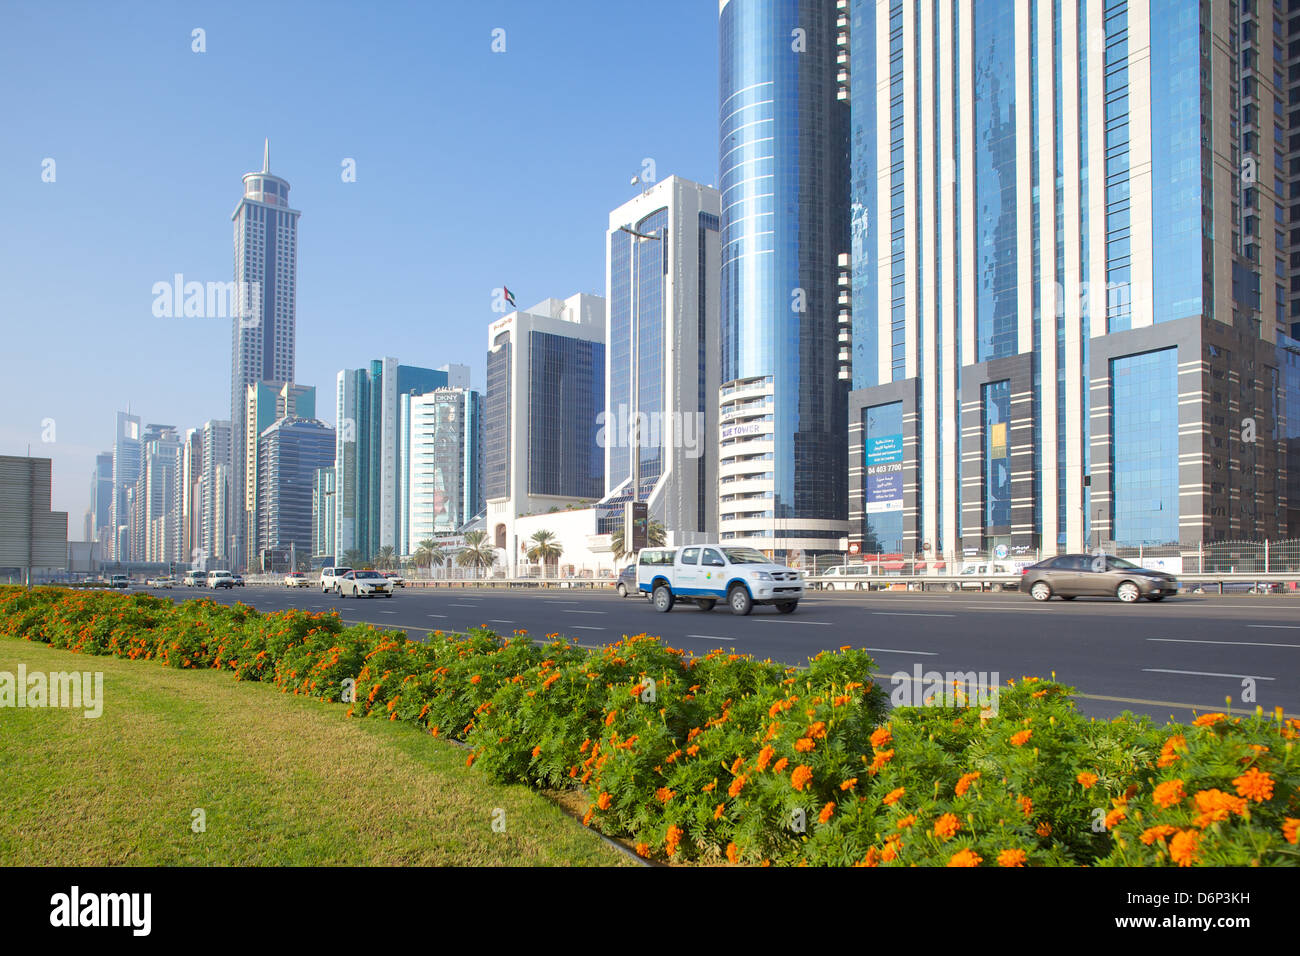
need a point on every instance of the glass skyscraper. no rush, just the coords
(1072, 264)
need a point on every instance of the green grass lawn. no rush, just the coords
(282, 780)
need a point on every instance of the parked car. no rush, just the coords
(625, 583)
(163, 582)
(238, 579)
(363, 584)
(119, 581)
(296, 579)
(221, 579)
(194, 579)
(1070, 575)
(329, 578)
(706, 574)
(845, 577)
(397, 580)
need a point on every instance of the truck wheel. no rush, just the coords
(663, 598)
(786, 607)
(705, 604)
(739, 599)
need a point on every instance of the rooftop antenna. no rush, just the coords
(266, 155)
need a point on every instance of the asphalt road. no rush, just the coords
(1188, 652)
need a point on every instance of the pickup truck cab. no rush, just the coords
(709, 573)
(194, 579)
(221, 579)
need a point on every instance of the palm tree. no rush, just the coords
(429, 555)
(351, 558)
(386, 557)
(544, 548)
(478, 551)
(656, 537)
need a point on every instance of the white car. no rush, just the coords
(165, 582)
(707, 574)
(973, 576)
(221, 579)
(296, 579)
(363, 584)
(329, 578)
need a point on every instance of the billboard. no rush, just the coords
(885, 473)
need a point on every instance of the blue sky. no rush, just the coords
(474, 169)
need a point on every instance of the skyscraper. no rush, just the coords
(442, 445)
(783, 168)
(101, 498)
(264, 404)
(212, 547)
(264, 326)
(659, 428)
(291, 451)
(1072, 248)
(126, 469)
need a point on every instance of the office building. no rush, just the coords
(369, 509)
(212, 549)
(545, 394)
(659, 430)
(322, 516)
(264, 404)
(1072, 265)
(442, 446)
(290, 452)
(101, 498)
(264, 324)
(783, 175)
(126, 469)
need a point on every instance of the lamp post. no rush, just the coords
(634, 307)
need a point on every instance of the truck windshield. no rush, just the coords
(746, 556)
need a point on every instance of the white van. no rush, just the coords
(221, 579)
(844, 577)
(194, 579)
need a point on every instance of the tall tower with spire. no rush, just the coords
(262, 350)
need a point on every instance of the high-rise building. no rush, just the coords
(322, 516)
(659, 427)
(212, 548)
(291, 451)
(264, 325)
(545, 393)
(189, 477)
(368, 464)
(126, 469)
(153, 523)
(1071, 332)
(264, 404)
(442, 445)
(783, 150)
(101, 497)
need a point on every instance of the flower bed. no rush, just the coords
(722, 757)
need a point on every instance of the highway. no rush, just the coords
(1187, 652)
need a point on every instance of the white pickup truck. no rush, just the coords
(707, 574)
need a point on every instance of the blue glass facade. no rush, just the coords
(1144, 448)
(783, 175)
(1176, 175)
(997, 293)
(496, 421)
(865, 227)
(1119, 269)
(566, 393)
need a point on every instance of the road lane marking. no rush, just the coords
(1162, 670)
(1183, 640)
(710, 637)
(895, 650)
(908, 614)
(440, 616)
(462, 605)
(777, 620)
(583, 612)
(587, 627)
(1288, 627)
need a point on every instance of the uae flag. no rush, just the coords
(510, 296)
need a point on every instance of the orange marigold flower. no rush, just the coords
(907, 821)
(603, 801)
(717, 811)
(804, 744)
(663, 794)
(586, 818)
(733, 853)
(1208, 720)
(692, 750)
(1216, 805)
(965, 858)
(1291, 830)
(1255, 785)
(1151, 834)
(1021, 738)
(780, 765)
(828, 811)
(890, 852)
(1086, 779)
(765, 757)
(476, 678)
(881, 736)
(966, 780)
(737, 785)
(1168, 793)
(871, 859)
(882, 758)
(802, 774)
(947, 826)
(1043, 829)
(817, 731)
(1167, 755)
(469, 761)
(643, 849)
(1184, 849)
(1115, 816)
(609, 718)
(708, 787)
(893, 796)
(1026, 805)
(537, 751)
(1012, 858)
(849, 784)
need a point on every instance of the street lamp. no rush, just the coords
(635, 317)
